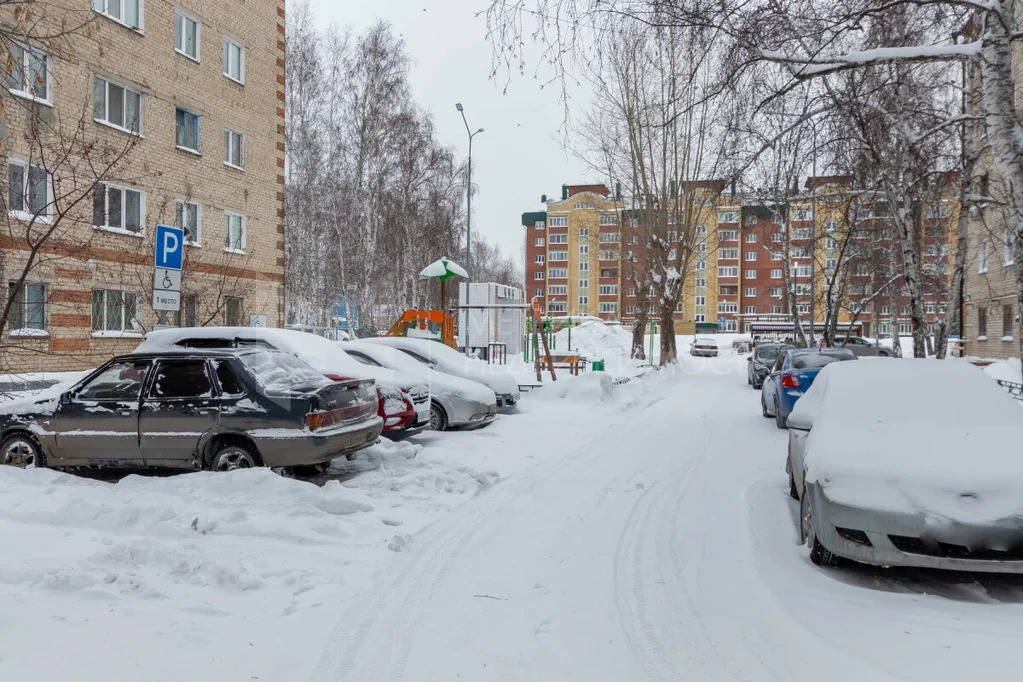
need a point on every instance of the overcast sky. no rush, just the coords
(520, 154)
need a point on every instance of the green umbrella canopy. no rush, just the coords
(443, 270)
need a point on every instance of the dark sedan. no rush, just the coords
(194, 409)
(761, 361)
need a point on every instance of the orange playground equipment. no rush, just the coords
(426, 324)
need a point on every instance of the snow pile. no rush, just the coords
(1006, 370)
(595, 339)
(939, 440)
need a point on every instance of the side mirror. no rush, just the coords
(800, 421)
(65, 398)
(749, 359)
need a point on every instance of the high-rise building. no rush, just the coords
(165, 113)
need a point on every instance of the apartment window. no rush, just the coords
(538, 293)
(539, 241)
(982, 257)
(728, 307)
(929, 308)
(186, 316)
(538, 276)
(699, 317)
(584, 300)
(558, 290)
(578, 206)
(630, 310)
(116, 105)
(556, 256)
(751, 310)
(187, 125)
(885, 310)
(777, 255)
(701, 265)
(608, 289)
(803, 308)
(584, 248)
(558, 307)
(29, 74)
(609, 237)
(728, 235)
(539, 259)
(609, 254)
(608, 274)
(233, 311)
(905, 329)
(831, 226)
(777, 237)
(584, 284)
(117, 208)
(775, 274)
(750, 291)
(701, 247)
(982, 322)
(558, 221)
(234, 232)
(776, 310)
(584, 266)
(607, 307)
(187, 216)
(701, 229)
(728, 216)
(751, 255)
(127, 12)
(114, 311)
(28, 307)
(728, 254)
(831, 243)
(830, 264)
(802, 233)
(701, 282)
(234, 149)
(801, 271)
(1007, 256)
(751, 274)
(584, 232)
(751, 238)
(538, 225)
(234, 61)
(186, 35)
(631, 291)
(803, 214)
(28, 190)
(559, 273)
(700, 300)
(728, 271)
(1008, 312)
(608, 219)
(775, 292)
(559, 238)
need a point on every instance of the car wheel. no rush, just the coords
(21, 450)
(883, 354)
(819, 554)
(234, 456)
(311, 469)
(438, 418)
(763, 407)
(793, 493)
(779, 419)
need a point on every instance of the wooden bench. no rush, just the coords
(573, 362)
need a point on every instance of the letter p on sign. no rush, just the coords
(170, 243)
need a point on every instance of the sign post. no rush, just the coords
(168, 260)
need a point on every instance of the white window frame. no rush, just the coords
(538, 293)
(107, 82)
(608, 219)
(751, 310)
(728, 271)
(181, 17)
(728, 216)
(558, 239)
(584, 266)
(539, 241)
(728, 235)
(607, 308)
(558, 290)
(539, 259)
(180, 205)
(775, 292)
(557, 221)
(982, 257)
(1007, 256)
(227, 232)
(776, 310)
(103, 7)
(750, 274)
(198, 130)
(751, 256)
(750, 291)
(584, 249)
(230, 136)
(584, 284)
(538, 276)
(728, 254)
(121, 229)
(130, 325)
(557, 256)
(776, 274)
(751, 238)
(25, 89)
(584, 300)
(584, 232)
(21, 213)
(538, 225)
(558, 273)
(226, 60)
(607, 290)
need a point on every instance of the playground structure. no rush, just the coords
(437, 325)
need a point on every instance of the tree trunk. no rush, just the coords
(638, 337)
(669, 352)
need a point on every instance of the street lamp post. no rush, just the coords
(468, 222)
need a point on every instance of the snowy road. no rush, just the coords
(661, 545)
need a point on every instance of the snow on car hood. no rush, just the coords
(496, 380)
(956, 473)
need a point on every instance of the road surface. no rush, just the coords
(661, 545)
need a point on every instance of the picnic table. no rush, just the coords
(570, 360)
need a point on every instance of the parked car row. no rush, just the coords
(907, 463)
(223, 398)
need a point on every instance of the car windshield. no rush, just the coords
(281, 371)
(768, 353)
(818, 360)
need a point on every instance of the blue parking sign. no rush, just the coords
(170, 247)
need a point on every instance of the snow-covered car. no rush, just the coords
(909, 463)
(704, 347)
(404, 402)
(448, 360)
(193, 409)
(454, 401)
(862, 347)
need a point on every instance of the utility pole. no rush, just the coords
(468, 226)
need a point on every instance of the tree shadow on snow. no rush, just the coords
(981, 588)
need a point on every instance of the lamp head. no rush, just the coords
(458, 106)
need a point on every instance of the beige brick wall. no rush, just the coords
(146, 61)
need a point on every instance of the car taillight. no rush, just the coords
(789, 381)
(337, 377)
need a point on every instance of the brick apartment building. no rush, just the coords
(737, 276)
(192, 93)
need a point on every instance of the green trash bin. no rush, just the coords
(597, 366)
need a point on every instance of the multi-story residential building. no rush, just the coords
(191, 96)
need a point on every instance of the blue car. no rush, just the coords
(792, 375)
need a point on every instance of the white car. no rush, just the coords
(404, 400)
(704, 347)
(454, 401)
(448, 360)
(909, 463)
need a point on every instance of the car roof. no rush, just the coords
(179, 352)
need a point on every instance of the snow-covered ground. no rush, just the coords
(633, 532)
